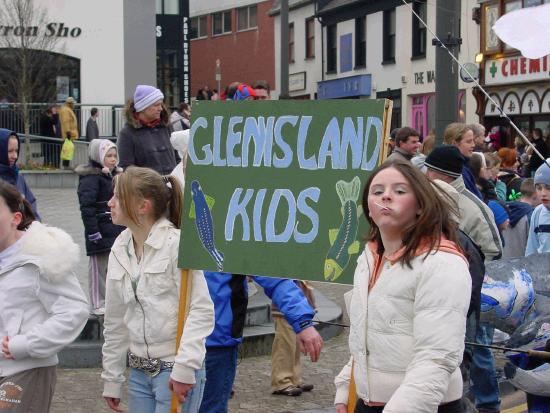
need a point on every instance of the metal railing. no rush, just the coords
(45, 152)
(110, 120)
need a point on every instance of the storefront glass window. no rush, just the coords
(167, 76)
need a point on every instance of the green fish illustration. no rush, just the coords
(342, 240)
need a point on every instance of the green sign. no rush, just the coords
(275, 188)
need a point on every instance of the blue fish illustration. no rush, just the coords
(204, 224)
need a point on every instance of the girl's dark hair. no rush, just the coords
(17, 203)
(143, 183)
(433, 220)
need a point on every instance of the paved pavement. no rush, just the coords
(79, 390)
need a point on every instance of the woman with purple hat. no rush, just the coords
(145, 139)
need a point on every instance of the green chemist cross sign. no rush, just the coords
(274, 188)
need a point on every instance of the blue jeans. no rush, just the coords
(221, 367)
(483, 373)
(148, 394)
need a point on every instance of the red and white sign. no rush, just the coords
(516, 69)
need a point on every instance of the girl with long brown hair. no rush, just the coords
(409, 301)
(141, 311)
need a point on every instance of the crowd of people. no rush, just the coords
(436, 215)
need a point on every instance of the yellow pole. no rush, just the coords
(352, 396)
(386, 129)
(185, 300)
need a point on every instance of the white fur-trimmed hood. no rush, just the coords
(51, 249)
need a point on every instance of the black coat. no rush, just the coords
(47, 124)
(143, 146)
(535, 161)
(476, 265)
(94, 191)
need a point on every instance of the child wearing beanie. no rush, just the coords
(95, 188)
(539, 231)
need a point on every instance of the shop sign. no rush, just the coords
(516, 69)
(50, 30)
(421, 78)
(344, 87)
(297, 81)
(284, 177)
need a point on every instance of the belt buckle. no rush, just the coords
(151, 366)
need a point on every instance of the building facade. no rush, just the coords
(376, 49)
(520, 86)
(231, 41)
(104, 55)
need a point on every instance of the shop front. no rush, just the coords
(422, 111)
(521, 87)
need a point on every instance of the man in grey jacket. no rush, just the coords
(477, 220)
(92, 130)
(407, 142)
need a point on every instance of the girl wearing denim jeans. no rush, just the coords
(142, 297)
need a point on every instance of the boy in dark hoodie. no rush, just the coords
(95, 188)
(516, 235)
(9, 172)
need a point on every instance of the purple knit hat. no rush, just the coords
(145, 96)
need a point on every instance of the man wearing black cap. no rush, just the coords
(476, 219)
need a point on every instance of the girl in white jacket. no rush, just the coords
(142, 296)
(409, 301)
(42, 306)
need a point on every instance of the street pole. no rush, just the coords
(446, 71)
(284, 50)
(219, 75)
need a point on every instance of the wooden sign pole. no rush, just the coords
(185, 301)
(352, 397)
(386, 126)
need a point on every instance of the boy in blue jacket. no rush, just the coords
(539, 231)
(9, 172)
(229, 293)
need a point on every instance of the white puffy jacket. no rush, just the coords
(145, 322)
(42, 306)
(407, 336)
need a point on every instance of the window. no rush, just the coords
(419, 30)
(310, 38)
(198, 27)
(361, 42)
(221, 23)
(167, 6)
(331, 48)
(389, 36)
(246, 18)
(291, 43)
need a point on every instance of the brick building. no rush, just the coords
(238, 33)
